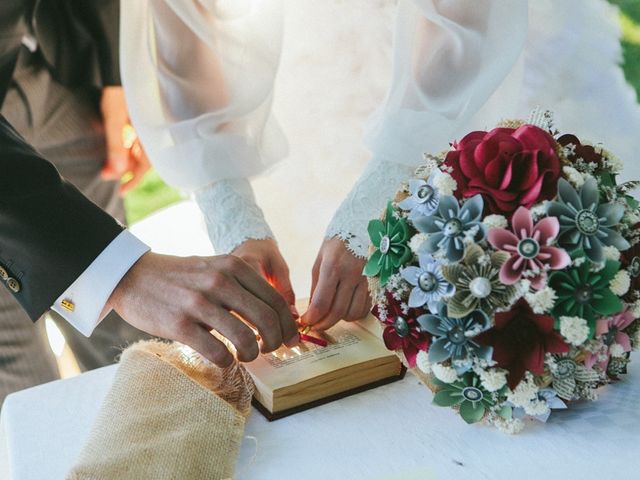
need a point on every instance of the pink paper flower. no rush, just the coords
(610, 330)
(530, 248)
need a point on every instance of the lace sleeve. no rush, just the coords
(366, 200)
(448, 60)
(231, 214)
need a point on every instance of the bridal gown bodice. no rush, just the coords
(334, 69)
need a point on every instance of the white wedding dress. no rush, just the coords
(313, 72)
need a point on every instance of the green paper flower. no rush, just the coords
(467, 393)
(586, 294)
(477, 282)
(390, 237)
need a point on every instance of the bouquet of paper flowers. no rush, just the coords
(506, 273)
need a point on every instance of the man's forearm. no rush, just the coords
(49, 232)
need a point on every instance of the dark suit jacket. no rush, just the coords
(49, 232)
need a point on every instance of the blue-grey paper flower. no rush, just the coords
(423, 199)
(429, 285)
(585, 224)
(453, 337)
(448, 227)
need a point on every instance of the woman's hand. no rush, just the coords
(126, 159)
(265, 258)
(338, 289)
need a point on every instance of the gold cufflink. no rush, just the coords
(68, 305)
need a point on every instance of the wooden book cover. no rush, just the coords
(292, 380)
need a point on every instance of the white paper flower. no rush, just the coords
(422, 362)
(616, 350)
(620, 283)
(445, 183)
(579, 261)
(574, 329)
(611, 253)
(540, 210)
(615, 164)
(493, 379)
(632, 216)
(536, 407)
(524, 393)
(495, 221)
(542, 301)
(511, 426)
(423, 198)
(444, 373)
(416, 241)
(429, 284)
(574, 176)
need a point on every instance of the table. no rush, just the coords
(392, 432)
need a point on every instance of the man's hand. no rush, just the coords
(184, 299)
(265, 258)
(126, 159)
(338, 289)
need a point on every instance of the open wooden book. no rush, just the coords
(355, 359)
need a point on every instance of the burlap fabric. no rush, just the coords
(168, 415)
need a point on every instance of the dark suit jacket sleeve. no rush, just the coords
(49, 232)
(79, 40)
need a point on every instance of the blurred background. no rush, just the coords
(153, 194)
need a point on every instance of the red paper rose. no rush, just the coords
(520, 339)
(508, 167)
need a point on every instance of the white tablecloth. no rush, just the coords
(392, 432)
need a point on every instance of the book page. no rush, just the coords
(349, 343)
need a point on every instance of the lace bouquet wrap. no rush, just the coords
(506, 273)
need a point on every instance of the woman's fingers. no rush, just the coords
(360, 304)
(138, 167)
(323, 294)
(279, 276)
(339, 308)
(315, 275)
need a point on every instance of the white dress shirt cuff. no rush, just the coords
(82, 303)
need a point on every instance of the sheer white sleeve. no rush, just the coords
(449, 57)
(199, 78)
